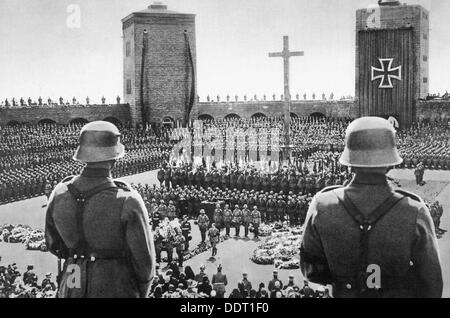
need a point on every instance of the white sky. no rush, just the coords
(40, 55)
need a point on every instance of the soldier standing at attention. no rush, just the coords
(186, 231)
(218, 217)
(203, 224)
(227, 219)
(47, 191)
(179, 246)
(366, 239)
(214, 236)
(219, 281)
(99, 225)
(256, 221)
(237, 219)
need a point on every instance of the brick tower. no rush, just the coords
(159, 73)
(391, 60)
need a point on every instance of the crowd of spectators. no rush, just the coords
(60, 102)
(186, 284)
(13, 284)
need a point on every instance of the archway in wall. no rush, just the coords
(293, 115)
(168, 122)
(79, 121)
(206, 117)
(318, 115)
(232, 116)
(113, 120)
(47, 121)
(258, 116)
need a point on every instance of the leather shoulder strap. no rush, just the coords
(122, 185)
(81, 198)
(331, 188)
(409, 195)
(374, 216)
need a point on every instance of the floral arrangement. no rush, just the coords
(33, 239)
(281, 248)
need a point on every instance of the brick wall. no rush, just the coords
(166, 66)
(65, 114)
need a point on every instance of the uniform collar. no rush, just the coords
(96, 172)
(370, 179)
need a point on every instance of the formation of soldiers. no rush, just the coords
(427, 143)
(33, 158)
(15, 285)
(187, 284)
(187, 200)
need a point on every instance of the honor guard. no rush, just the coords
(98, 225)
(367, 239)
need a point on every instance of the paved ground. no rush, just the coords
(233, 254)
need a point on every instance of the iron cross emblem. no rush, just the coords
(386, 73)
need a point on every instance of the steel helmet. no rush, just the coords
(370, 143)
(99, 141)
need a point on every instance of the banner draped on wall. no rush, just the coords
(191, 89)
(386, 71)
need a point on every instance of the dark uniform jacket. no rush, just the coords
(115, 221)
(402, 242)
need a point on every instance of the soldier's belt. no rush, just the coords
(387, 283)
(93, 255)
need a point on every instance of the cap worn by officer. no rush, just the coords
(99, 141)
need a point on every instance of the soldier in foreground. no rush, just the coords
(366, 239)
(100, 226)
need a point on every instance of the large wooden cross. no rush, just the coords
(286, 54)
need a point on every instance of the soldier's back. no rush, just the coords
(114, 222)
(402, 242)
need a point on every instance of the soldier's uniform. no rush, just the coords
(171, 211)
(246, 219)
(179, 247)
(218, 218)
(158, 242)
(186, 231)
(214, 234)
(203, 224)
(219, 281)
(237, 219)
(256, 221)
(366, 239)
(227, 219)
(100, 225)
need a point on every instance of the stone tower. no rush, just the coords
(159, 65)
(392, 43)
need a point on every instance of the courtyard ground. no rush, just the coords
(233, 254)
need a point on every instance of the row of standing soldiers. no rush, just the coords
(303, 182)
(273, 207)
